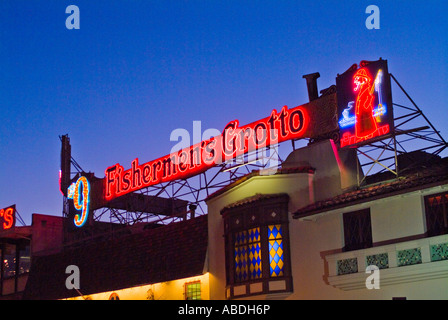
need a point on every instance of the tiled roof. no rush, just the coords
(170, 252)
(423, 177)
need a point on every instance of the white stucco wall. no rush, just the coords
(313, 239)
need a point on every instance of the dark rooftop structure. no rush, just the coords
(170, 252)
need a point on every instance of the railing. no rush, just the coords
(395, 256)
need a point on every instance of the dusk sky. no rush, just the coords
(136, 70)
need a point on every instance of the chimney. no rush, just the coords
(311, 83)
(192, 208)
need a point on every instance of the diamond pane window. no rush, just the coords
(254, 253)
(257, 246)
(241, 263)
(276, 261)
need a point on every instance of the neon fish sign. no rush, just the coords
(363, 102)
(233, 142)
(79, 191)
(348, 120)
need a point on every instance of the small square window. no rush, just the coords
(436, 208)
(193, 291)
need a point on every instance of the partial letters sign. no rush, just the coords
(8, 217)
(305, 121)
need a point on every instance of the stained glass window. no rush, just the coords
(248, 259)
(254, 253)
(248, 255)
(276, 260)
(256, 246)
(241, 273)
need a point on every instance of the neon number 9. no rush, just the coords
(81, 192)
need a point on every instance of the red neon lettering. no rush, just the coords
(230, 139)
(136, 175)
(8, 217)
(233, 142)
(146, 173)
(110, 175)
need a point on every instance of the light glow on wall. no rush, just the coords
(170, 290)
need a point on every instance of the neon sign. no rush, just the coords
(79, 191)
(8, 215)
(364, 103)
(233, 142)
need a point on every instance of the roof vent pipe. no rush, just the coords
(311, 83)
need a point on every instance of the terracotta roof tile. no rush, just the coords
(425, 176)
(253, 199)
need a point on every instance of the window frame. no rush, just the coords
(354, 218)
(259, 212)
(430, 215)
(186, 295)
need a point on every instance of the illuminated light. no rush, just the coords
(71, 191)
(158, 291)
(347, 120)
(233, 142)
(76, 191)
(60, 181)
(380, 110)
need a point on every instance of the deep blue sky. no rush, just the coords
(138, 69)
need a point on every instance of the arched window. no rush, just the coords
(114, 296)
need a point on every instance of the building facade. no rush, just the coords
(309, 232)
(160, 263)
